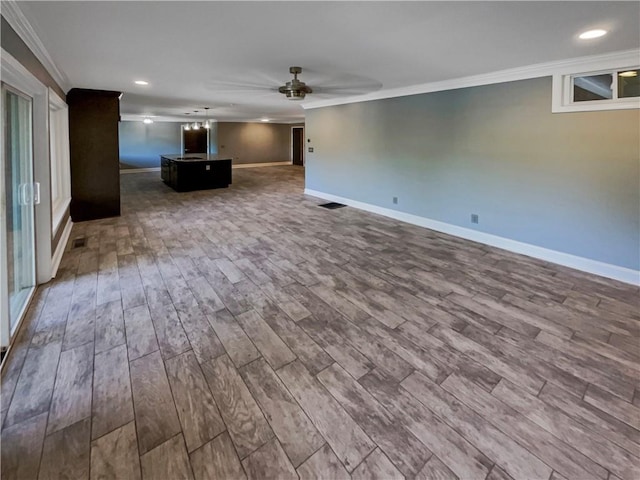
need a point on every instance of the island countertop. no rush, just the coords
(194, 157)
(195, 171)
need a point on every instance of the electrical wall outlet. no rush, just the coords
(395, 200)
(474, 218)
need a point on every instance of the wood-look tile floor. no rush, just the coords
(248, 333)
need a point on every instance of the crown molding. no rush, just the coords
(14, 16)
(626, 58)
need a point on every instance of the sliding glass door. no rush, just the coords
(19, 199)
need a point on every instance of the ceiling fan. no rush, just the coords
(325, 85)
(295, 89)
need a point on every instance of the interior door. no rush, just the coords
(20, 192)
(297, 142)
(195, 141)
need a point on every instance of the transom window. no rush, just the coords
(603, 90)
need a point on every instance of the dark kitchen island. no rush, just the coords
(195, 171)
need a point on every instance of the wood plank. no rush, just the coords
(321, 465)
(434, 469)
(168, 460)
(556, 454)
(233, 273)
(171, 337)
(600, 370)
(115, 455)
(408, 351)
(302, 345)
(205, 295)
(600, 422)
(623, 411)
(296, 433)
(131, 287)
(462, 457)
(217, 459)
(516, 461)
(33, 390)
(202, 338)
(109, 330)
(447, 355)
(403, 449)
(247, 426)
(22, 448)
(270, 345)
(67, 453)
(516, 356)
(112, 400)
(529, 380)
(141, 336)
(235, 341)
(610, 456)
(196, 407)
(337, 347)
(269, 461)
(108, 289)
(376, 467)
(347, 439)
(156, 416)
(71, 400)
(80, 328)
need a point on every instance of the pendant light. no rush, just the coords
(207, 125)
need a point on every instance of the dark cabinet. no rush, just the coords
(195, 172)
(94, 152)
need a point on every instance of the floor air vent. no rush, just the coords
(332, 205)
(78, 242)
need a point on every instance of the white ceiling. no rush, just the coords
(227, 55)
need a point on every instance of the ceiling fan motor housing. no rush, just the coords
(295, 89)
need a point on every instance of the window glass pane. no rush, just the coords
(629, 84)
(592, 87)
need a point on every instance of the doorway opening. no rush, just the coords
(195, 140)
(297, 145)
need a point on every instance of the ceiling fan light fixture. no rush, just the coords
(295, 89)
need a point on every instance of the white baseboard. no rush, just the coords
(266, 164)
(62, 243)
(608, 270)
(139, 170)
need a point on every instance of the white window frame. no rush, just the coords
(562, 97)
(60, 160)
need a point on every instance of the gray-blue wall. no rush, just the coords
(568, 182)
(141, 145)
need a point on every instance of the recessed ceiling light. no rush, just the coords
(264, 120)
(629, 73)
(141, 82)
(589, 34)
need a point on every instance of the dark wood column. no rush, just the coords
(94, 150)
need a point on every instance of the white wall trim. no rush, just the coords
(14, 16)
(615, 272)
(139, 170)
(561, 67)
(265, 164)
(62, 244)
(59, 156)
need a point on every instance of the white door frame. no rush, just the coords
(15, 75)
(291, 145)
